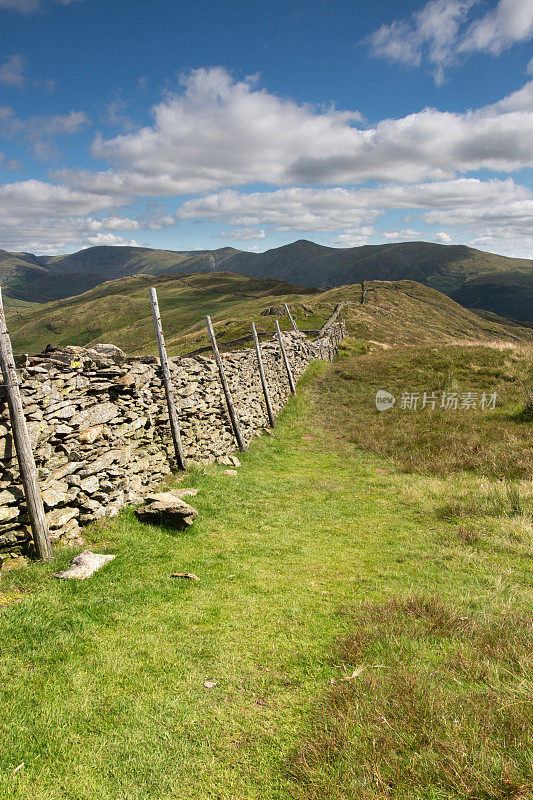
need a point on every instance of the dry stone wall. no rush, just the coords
(99, 428)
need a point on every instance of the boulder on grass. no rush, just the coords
(166, 508)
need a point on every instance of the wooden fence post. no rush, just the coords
(169, 391)
(286, 360)
(264, 384)
(294, 325)
(227, 393)
(28, 470)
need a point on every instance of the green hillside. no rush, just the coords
(400, 312)
(119, 311)
(471, 277)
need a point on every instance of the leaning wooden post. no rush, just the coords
(286, 360)
(294, 325)
(28, 470)
(263, 377)
(169, 391)
(229, 400)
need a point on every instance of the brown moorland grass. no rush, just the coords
(459, 722)
(494, 443)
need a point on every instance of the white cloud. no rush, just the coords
(115, 115)
(108, 239)
(432, 31)
(41, 131)
(31, 198)
(442, 238)
(40, 217)
(529, 68)
(509, 22)
(355, 237)
(12, 71)
(244, 234)
(506, 227)
(218, 134)
(408, 235)
(13, 75)
(285, 209)
(221, 133)
(441, 33)
(327, 209)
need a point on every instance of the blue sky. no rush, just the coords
(209, 124)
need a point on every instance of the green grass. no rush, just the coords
(394, 313)
(317, 559)
(119, 312)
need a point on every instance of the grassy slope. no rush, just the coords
(119, 312)
(103, 680)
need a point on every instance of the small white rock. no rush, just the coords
(84, 565)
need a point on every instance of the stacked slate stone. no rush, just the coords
(98, 424)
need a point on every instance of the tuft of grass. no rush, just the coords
(493, 500)
(402, 725)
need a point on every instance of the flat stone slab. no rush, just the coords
(84, 565)
(166, 508)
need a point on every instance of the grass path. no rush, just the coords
(102, 681)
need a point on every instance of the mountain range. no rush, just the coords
(476, 279)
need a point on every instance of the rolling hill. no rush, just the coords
(471, 277)
(393, 313)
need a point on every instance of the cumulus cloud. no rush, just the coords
(305, 209)
(39, 216)
(442, 238)
(354, 237)
(407, 235)
(509, 22)
(430, 32)
(41, 131)
(217, 134)
(244, 234)
(109, 239)
(221, 133)
(285, 209)
(13, 74)
(442, 34)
